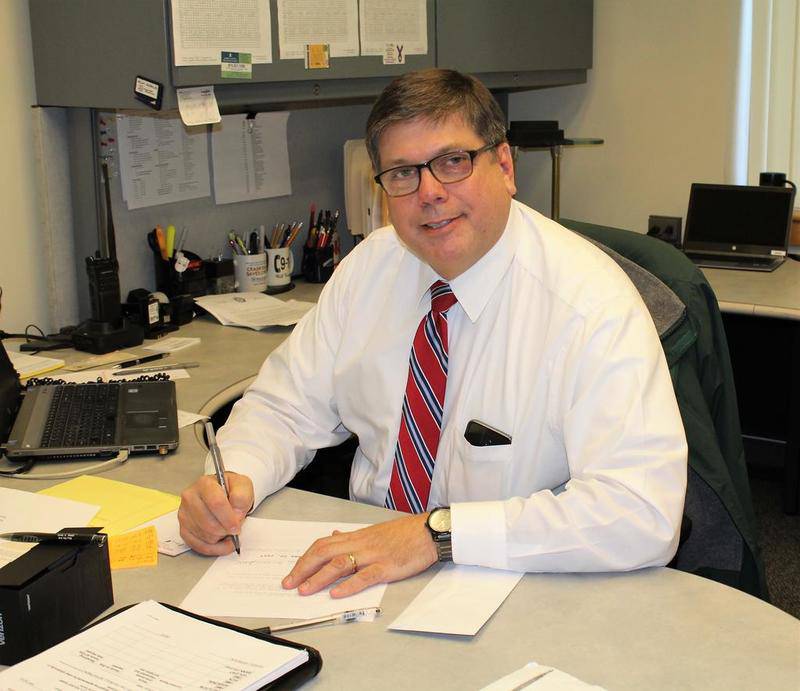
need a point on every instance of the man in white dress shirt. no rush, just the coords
(561, 444)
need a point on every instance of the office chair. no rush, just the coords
(719, 534)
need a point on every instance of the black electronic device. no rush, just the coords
(49, 593)
(738, 226)
(107, 329)
(104, 292)
(155, 317)
(480, 434)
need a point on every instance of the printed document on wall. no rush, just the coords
(303, 22)
(401, 23)
(201, 30)
(161, 160)
(250, 157)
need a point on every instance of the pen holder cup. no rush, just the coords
(280, 265)
(250, 273)
(191, 281)
(318, 263)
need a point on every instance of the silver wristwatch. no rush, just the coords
(438, 524)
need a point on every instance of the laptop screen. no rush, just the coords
(738, 218)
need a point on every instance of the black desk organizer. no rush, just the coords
(317, 264)
(181, 288)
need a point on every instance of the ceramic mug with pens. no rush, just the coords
(250, 273)
(280, 265)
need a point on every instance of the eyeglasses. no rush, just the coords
(454, 166)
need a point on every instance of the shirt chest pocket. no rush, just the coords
(479, 473)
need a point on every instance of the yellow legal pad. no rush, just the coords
(136, 548)
(122, 506)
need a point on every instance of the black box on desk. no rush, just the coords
(48, 594)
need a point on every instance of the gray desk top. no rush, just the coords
(774, 294)
(655, 628)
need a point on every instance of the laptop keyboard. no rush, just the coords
(82, 415)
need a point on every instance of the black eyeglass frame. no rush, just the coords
(427, 164)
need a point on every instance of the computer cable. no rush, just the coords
(23, 474)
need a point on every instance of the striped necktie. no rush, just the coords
(421, 423)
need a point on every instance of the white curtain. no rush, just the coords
(774, 126)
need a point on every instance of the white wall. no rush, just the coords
(21, 275)
(661, 93)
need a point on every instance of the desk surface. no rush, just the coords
(773, 294)
(655, 628)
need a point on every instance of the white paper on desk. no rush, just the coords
(253, 310)
(249, 585)
(546, 678)
(22, 511)
(301, 22)
(150, 646)
(161, 161)
(458, 600)
(201, 30)
(251, 157)
(185, 418)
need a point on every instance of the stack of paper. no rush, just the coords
(122, 506)
(33, 365)
(253, 310)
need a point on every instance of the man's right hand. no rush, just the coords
(207, 517)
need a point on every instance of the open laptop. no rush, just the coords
(738, 227)
(67, 421)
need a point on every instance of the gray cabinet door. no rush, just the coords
(480, 36)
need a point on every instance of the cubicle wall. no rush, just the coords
(87, 54)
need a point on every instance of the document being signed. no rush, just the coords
(249, 584)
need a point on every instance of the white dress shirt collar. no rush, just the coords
(476, 285)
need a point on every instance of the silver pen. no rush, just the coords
(216, 456)
(156, 368)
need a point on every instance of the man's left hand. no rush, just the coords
(380, 553)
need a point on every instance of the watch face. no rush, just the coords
(439, 520)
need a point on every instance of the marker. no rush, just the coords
(216, 456)
(140, 361)
(61, 536)
(170, 248)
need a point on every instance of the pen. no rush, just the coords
(338, 618)
(61, 536)
(140, 361)
(220, 470)
(156, 368)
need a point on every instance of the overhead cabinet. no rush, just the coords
(88, 53)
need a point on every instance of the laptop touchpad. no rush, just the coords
(140, 419)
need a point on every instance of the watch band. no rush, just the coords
(444, 549)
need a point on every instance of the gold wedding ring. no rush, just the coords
(353, 561)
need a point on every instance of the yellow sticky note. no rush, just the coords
(137, 548)
(318, 56)
(122, 506)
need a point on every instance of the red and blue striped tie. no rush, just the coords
(423, 403)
